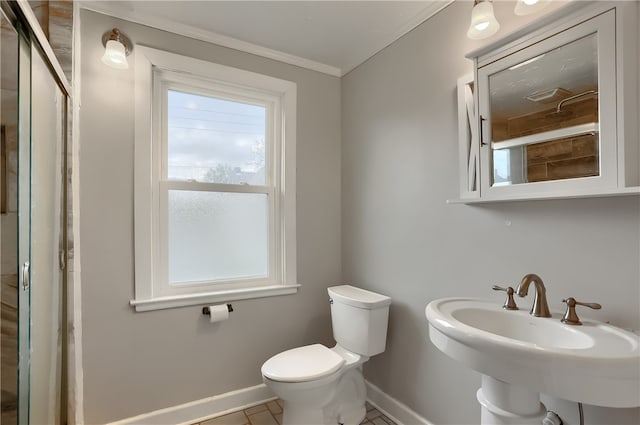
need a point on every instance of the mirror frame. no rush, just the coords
(604, 27)
(618, 40)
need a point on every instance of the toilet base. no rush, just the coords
(353, 416)
(294, 413)
(344, 406)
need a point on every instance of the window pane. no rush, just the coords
(215, 140)
(217, 236)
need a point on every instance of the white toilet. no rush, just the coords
(321, 385)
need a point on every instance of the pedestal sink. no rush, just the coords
(521, 356)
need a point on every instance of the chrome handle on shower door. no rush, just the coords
(26, 276)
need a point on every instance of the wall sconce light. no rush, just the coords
(483, 22)
(526, 7)
(117, 47)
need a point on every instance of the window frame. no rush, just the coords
(170, 80)
(157, 72)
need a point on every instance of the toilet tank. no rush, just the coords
(359, 318)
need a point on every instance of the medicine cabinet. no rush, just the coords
(552, 110)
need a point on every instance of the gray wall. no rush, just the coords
(399, 237)
(139, 362)
(399, 165)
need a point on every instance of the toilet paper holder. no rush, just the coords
(207, 312)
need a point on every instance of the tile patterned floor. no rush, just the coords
(271, 414)
(375, 417)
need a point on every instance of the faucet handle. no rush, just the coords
(509, 303)
(570, 317)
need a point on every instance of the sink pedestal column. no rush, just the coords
(506, 404)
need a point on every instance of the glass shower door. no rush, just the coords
(33, 121)
(48, 117)
(9, 265)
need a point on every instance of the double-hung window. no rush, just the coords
(214, 183)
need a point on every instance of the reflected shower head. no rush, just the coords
(560, 113)
(575, 96)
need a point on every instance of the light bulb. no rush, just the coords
(115, 55)
(483, 22)
(526, 7)
(116, 48)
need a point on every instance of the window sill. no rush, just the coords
(175, 301)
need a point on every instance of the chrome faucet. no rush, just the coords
(540, 308)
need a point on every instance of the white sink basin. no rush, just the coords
(594, 363)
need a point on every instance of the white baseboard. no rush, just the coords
(233, 401)
(393, 409)
(203, 409)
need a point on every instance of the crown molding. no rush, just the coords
(112, 9)
(116, 10)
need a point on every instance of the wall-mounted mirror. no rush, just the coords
(551, 110)
(544, 116)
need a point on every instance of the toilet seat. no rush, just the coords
(302, 364)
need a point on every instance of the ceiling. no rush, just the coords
(328, 36)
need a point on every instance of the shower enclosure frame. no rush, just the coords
(32, 42)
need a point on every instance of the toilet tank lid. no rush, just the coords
(358, 297)
(302, 364)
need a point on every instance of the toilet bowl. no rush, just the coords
(321, 385)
